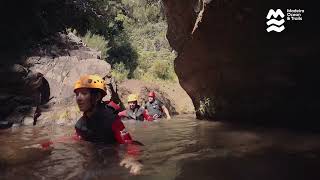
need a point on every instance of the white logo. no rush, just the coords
(295, 14)
(274, 24)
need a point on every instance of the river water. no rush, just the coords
(182, 148)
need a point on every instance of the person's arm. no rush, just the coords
(63, 139)
(122, 113)
(123, 137)
(165, 110)
(115, 106)
(121, 134)
(146, 116)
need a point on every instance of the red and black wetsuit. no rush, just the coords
(112, 104)
(104, 125)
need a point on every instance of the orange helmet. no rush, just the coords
(152, 94)
(91, 82)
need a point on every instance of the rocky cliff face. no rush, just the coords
(46, 78)
(19, 92)
(233, 69)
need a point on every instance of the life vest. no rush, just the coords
(98, 128)
(154, 108)
(136, 114)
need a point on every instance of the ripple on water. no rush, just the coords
(181, 148)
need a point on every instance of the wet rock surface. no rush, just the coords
(20, 92)
(46, 79)
(233, 69)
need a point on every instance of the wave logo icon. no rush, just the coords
(273, 23)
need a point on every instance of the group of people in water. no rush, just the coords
(101, 120)
(152, 110)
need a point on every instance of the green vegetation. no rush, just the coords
(119, 71)
(206, 108)
(133, 40)
(96, 42)
(131, 34)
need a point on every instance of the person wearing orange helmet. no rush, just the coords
(155, 108)
(100, 122)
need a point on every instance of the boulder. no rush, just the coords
(47, 75)
(20, 92)
(62, 72)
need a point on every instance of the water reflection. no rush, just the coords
(182, 148)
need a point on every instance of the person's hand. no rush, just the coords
(168, 117)
(43, 146)
(156, 116)
(132, 164)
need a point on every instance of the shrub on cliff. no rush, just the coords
(145, 26)
(119, 72)
(136, 40)
(97, 42)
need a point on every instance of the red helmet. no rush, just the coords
(152, 94)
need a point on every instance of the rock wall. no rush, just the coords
(63, 62)
(47, 78)
(63, 71)
(20, 91)
(233, 69)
